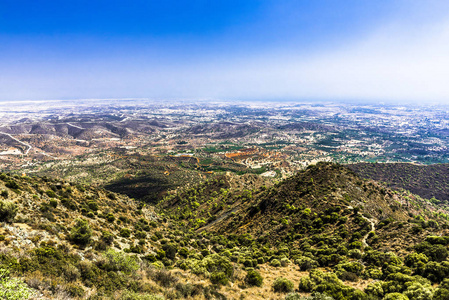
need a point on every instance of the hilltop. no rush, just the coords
(325, 200)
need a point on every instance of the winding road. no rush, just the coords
(25, 144)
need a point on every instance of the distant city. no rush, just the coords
(274, 139)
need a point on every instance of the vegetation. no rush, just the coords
(8, 211)
(427, 181)
(316, 235)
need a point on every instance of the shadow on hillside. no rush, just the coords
(148, 188)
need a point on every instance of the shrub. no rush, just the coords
(285, 261)
(8, 211)
(314, 296)
(275, 263)
(107, 237)
(305, 263)
(170, 250)
(293, 296)
(110, 217)
(75, 290)
(395, 296)
(150, 257)
(81, 232)
(160, 254)
(217, 263)
(355, 253)
(348, 276)
(435, 252)
(165, 278)
(183, 252)
(219, 278)
(419, 291)
(282, 285)
(119, 261)
(50, 193)
(353, 267)
(12, 288)
(125, 232)
(414, 259)
(441, 294)
(92, 205)
(253, 278)
(71, 273)
(140, 234)
(12, 185)
(53, 203)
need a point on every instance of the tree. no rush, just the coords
(81, 232)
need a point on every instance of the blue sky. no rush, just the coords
(393, 50)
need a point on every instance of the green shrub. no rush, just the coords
(160, 254)
(306, 284)
(441, 294)
(92, 205)
(81, 232)
(414, 259)
(282, 285)
(305, 263)
(140, 234)
(50, 193)
(125, 232)
(119, 261)
(419, 291)
(217, 263)
(435, 252)
(53, 203)
(107, 237)
(12, 288)
(8, 211)
(293, 296)
(395, 296)
(170, 250)
(183, 252)
(285, 261)
(150, 257)
(353, 267)
(275, 263)
(253, 278)
(219, 278)
(12, 185)
(75, 290)
(110, 217)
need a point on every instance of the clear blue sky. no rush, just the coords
(280, 49)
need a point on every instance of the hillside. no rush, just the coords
(427, 181)
(324, 231)
(65, 241)
(326, 198)
(324, 217)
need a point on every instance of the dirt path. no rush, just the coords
(365, 244)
